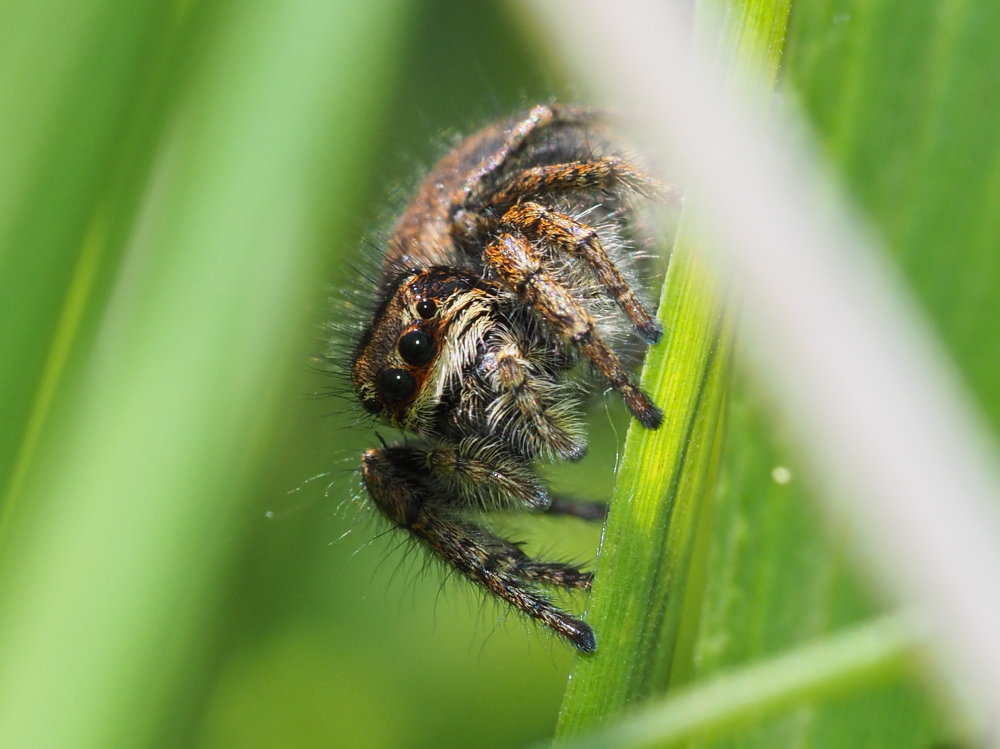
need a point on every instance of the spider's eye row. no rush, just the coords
(417, 348)
(396, 384)
(426, 308)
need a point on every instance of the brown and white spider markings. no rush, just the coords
(510, 290)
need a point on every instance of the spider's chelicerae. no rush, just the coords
(510, 289)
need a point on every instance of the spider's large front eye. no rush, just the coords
(426, 308)
(396, 384)
(417, 348)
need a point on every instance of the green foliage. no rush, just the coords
(801, 678)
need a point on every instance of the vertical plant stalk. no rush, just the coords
(646, 598)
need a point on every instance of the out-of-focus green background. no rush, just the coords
(185, 183)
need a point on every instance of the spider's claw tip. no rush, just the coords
(650, 417)
(584, 639)
(651, 332)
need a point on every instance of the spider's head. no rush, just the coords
(421, 337)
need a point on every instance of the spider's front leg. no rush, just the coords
(404, 485)
(517, 263)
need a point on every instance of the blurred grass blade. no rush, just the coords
(870, 653)
(646, 599)
(69, 152)
(107, 582)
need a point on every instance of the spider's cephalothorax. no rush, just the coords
(508, 291)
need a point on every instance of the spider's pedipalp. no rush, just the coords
(538, 415)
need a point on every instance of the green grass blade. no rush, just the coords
(874, 652)
(111, 574)
(69, 150)
(643, 561)
(646, 597)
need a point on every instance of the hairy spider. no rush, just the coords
(503, 298)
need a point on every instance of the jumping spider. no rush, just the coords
(513, 263)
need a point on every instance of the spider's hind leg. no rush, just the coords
(596, 512)
(404, 488)
(607, 173)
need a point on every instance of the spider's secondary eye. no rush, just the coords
(396, 384)
(426, 308)
(417, 348)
